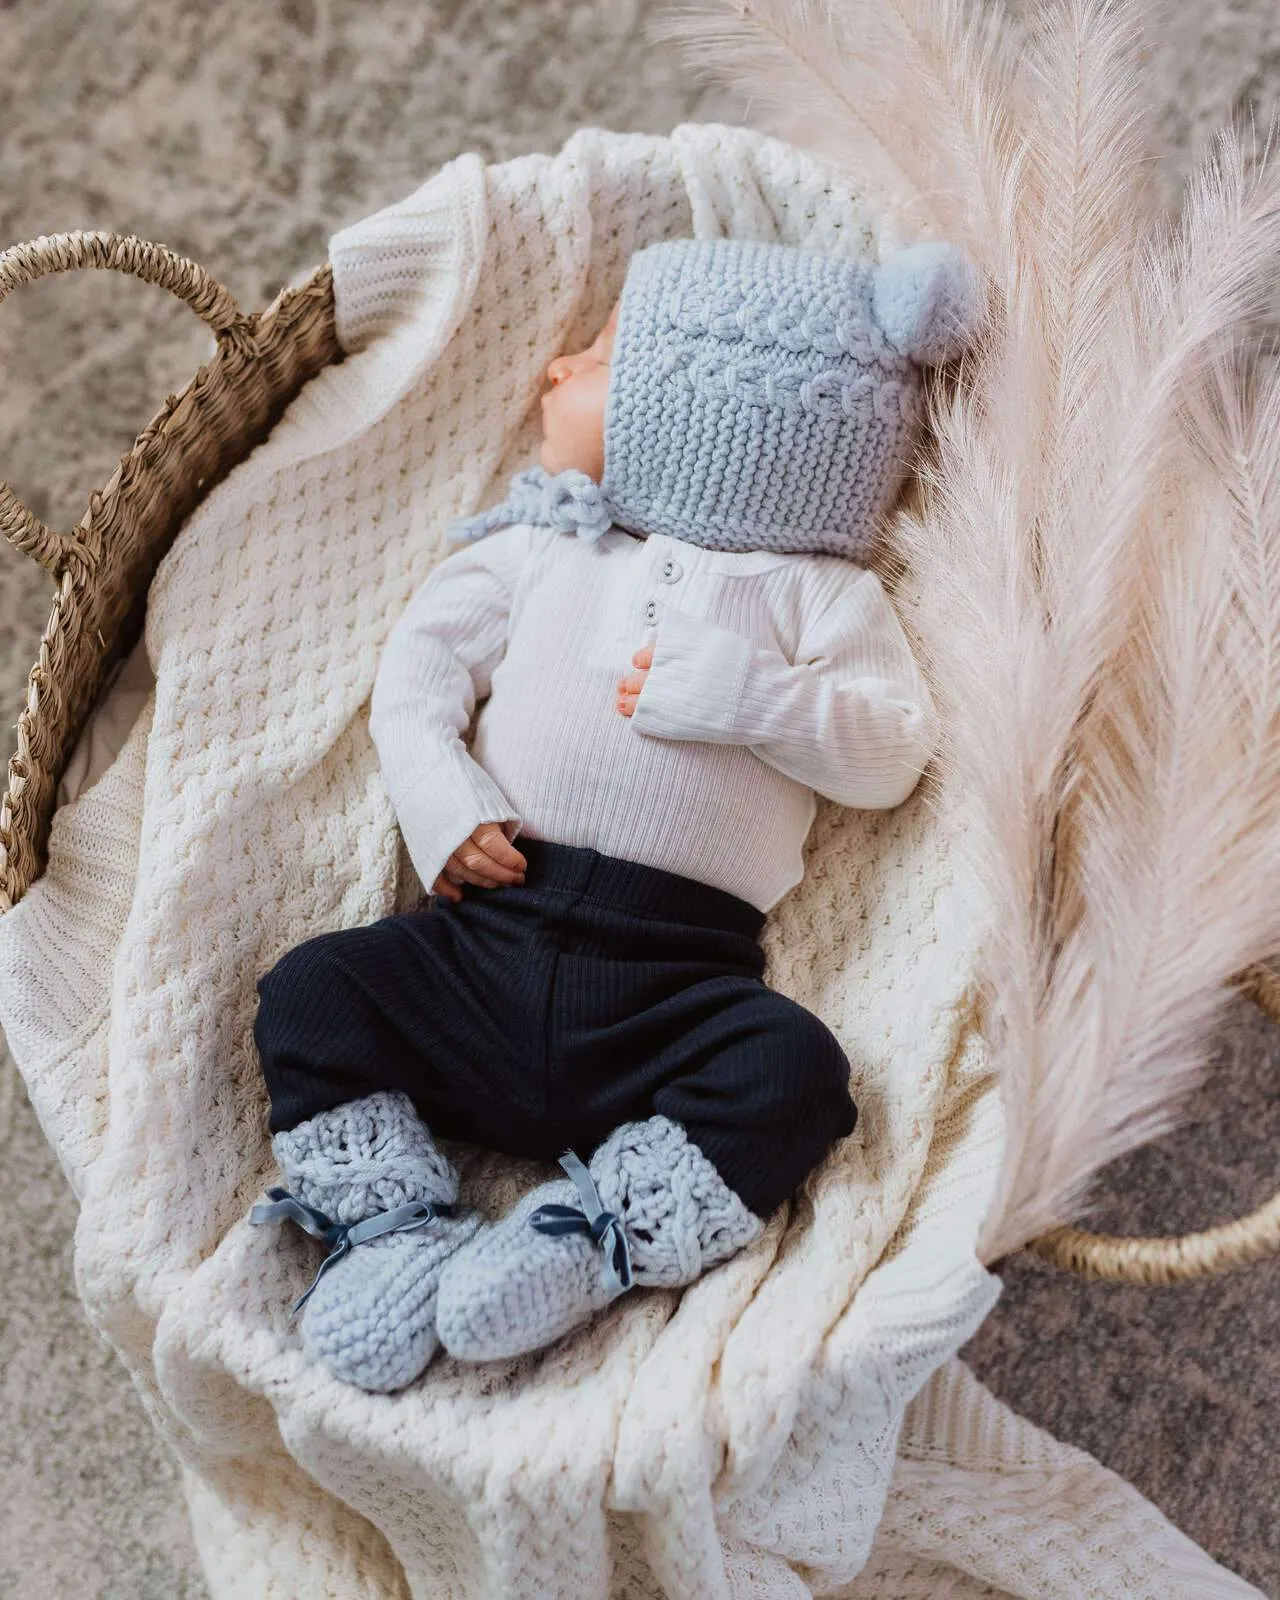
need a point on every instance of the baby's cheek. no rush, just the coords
(573, 428)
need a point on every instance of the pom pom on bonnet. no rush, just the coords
(761, 396)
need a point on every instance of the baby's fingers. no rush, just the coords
(462, 867)
(499, 855)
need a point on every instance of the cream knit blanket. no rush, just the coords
(737, 1441)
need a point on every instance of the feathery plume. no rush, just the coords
(1094, 550)
(905, 95)
(1137, 567)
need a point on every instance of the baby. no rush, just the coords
(677, 646)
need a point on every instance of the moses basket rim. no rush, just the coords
(102, 571)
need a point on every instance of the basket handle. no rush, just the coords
(1179, 1258)
(153, 263)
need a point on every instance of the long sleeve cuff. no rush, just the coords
(443, 805)
(695, 683)
(855, 726)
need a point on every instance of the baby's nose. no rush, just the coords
(560, 369)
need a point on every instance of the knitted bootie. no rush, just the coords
(650, 1208)
(370, 1316)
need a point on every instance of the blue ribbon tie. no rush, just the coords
(603, 1227)
(568, 502)
(342, 1237)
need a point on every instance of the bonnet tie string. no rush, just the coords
(342, 1237)
(603, 1227)
(569, 502)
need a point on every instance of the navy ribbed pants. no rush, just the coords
(534, 1018)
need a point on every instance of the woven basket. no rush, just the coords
(103, 569)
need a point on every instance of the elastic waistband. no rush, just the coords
(632, 886)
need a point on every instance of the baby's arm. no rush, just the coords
(437, 663)
(851, 717)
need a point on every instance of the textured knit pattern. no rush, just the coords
(760, 397)
(513, 1289)
(56, 960)
(774, 677)
(535, 1017)
(680, 1216)
(368, 1155)
(747, 1440)
(565, 502)
(371, 1319)
(763, 397)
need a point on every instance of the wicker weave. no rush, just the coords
(104, 568)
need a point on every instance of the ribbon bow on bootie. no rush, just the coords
(594, 1220)
(341, 1237)
(569, 502)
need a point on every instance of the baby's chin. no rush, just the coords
(554, 457)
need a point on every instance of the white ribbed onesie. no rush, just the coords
(774, 675)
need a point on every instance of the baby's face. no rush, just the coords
(573, 407)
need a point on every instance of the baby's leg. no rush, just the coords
(751, 1093)
(662, 1215)
(371, 1164)
(763, 1091)
(354, 1029)
(390, 1006)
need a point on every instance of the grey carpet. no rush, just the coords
(242, 133)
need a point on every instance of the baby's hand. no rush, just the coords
(485, 858)
(629, 687)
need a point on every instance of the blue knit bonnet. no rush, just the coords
(761, 397)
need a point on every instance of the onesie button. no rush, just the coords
(669, 571)
(651, 611)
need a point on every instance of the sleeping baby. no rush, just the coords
(677, 646)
